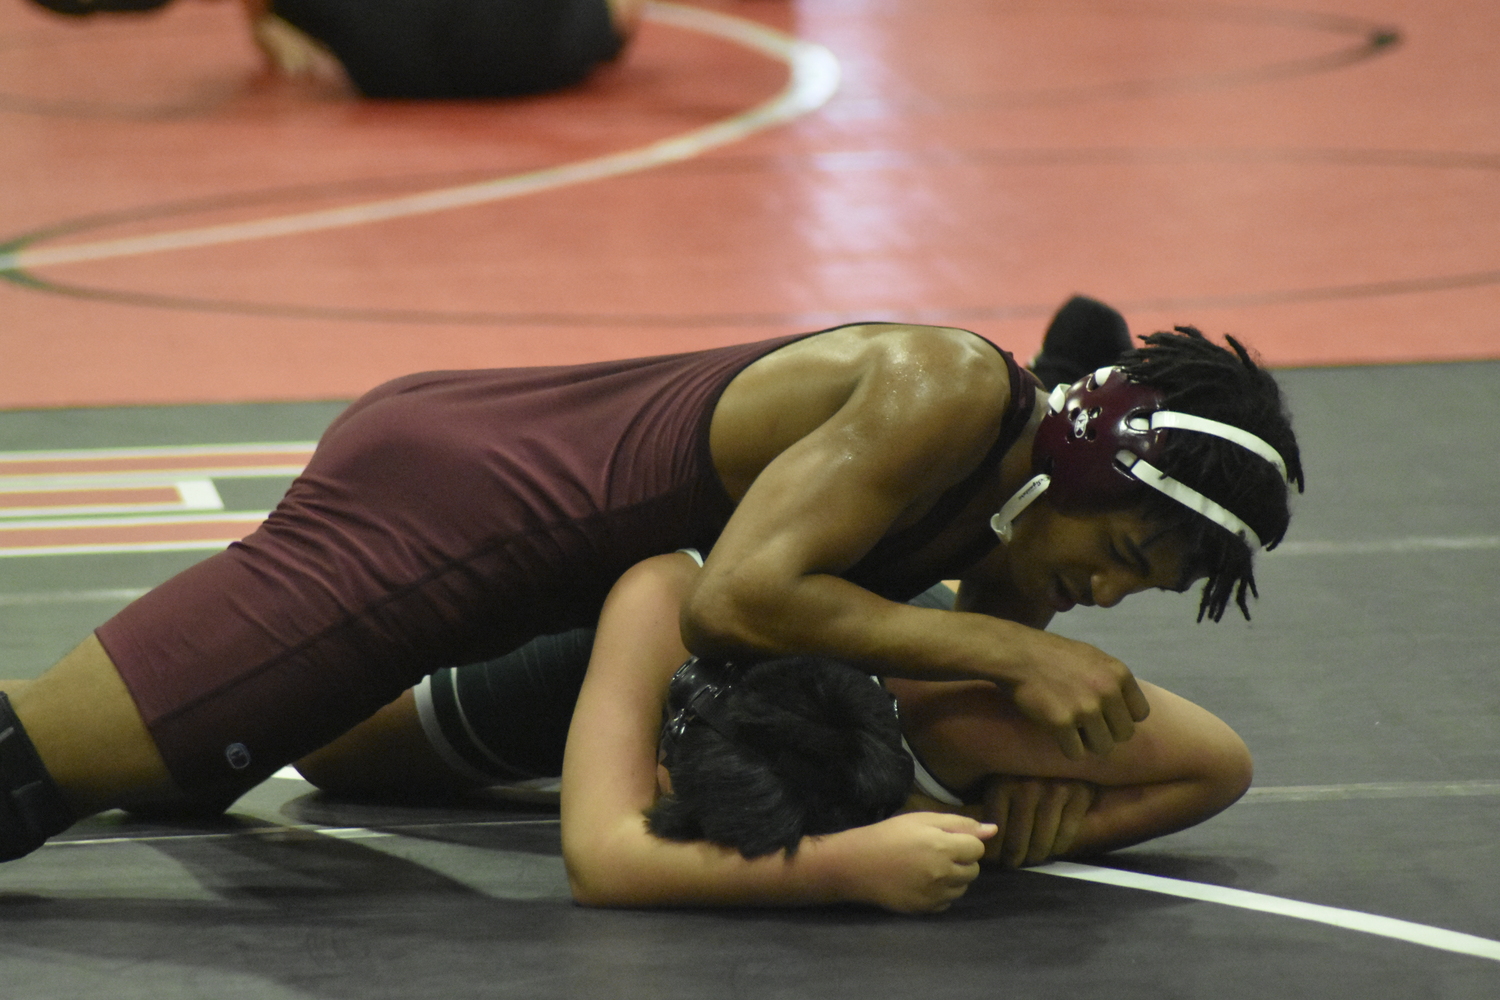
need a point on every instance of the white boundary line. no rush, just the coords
(1386, 546)
(1372, 790)
(121, 595)
(281, 830)
(814, 78)
(249, 519)
(1366, 923)
(157, 451)
(1353, 920)
(192, 495)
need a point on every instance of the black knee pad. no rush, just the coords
(32, 807)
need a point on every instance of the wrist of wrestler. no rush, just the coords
(836, 868)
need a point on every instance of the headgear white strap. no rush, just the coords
(1187, 496)
(1229, 432)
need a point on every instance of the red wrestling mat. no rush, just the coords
(1320, 183)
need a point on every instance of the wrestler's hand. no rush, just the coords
(913, 862)
(1039, 818)
(1089, 699)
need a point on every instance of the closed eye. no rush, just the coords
(1132, 556)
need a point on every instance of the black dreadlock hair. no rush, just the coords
(1199, 377)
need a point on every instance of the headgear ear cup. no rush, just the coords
(1078, 440)
(1099, 446)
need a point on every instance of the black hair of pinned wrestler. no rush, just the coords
(762, 756)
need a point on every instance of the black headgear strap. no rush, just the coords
(32, 807)
(697, 691)
(694, 693)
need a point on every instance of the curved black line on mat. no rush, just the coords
(800, 320)
(865, 160)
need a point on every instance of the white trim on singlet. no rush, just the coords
(926, 783)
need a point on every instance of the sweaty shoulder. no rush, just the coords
(945, 386)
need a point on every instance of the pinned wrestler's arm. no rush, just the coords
(910, 863)
(1184, 766)
(829, 445)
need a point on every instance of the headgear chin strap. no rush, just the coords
(1099, 442)
(697, 691)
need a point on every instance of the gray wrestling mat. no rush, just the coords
(1365, 863)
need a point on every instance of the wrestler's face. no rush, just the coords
(1061, 560)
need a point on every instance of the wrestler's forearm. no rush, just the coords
(912, 863)
(1036, 826)
(624, 865)
(829, 616)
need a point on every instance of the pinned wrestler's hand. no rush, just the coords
(1089, 699)
(913, 862)
(1039, 818)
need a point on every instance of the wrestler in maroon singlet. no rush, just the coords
(445, 518)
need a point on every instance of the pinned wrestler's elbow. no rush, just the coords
(578, 856)
(1229, 770)
(1242, 772)
(595, 878)
(587, 891)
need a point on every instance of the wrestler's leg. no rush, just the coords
(487, 723)
(89, 735)
(387, 755)
(514, 709)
